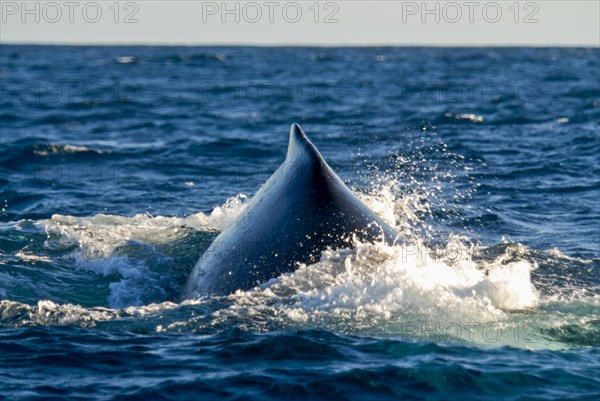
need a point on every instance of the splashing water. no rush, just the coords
(461, 291)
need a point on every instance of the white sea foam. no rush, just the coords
(109, 229)
(373, 289)
(101, 239)
(125, 60)
(376, 289)
(387, 278)
(45, 150)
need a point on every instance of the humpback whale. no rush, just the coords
(301, 210)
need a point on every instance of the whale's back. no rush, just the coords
(302, 209)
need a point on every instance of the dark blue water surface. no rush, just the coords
(120, 165)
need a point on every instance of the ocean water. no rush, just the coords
(120, 165)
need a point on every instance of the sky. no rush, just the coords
(323, 23)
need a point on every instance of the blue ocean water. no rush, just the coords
(120, 165)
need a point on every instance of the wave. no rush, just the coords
(456, 291)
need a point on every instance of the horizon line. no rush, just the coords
(299, 44)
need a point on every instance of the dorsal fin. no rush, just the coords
(301, 210)
(300, 147)
(303, 154)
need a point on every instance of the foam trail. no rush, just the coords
(126, 248)
(451, 292)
